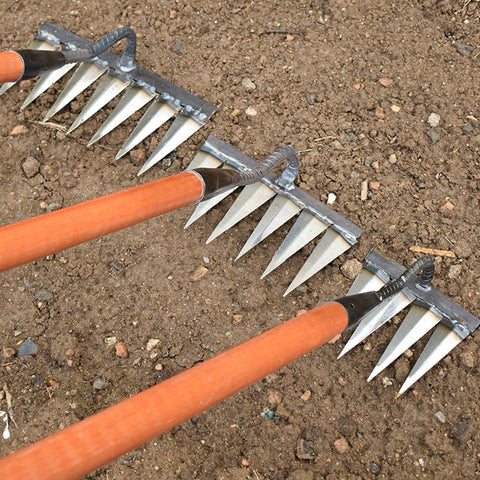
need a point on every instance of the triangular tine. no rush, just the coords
(35, 45)
(328, 249)
(365, 282)
(279, 212)
(376, 318)
(133, 99)
(414, 326)
(251, 197)
(305, 229)
(82, 78)
(440, 344)
(156, 115)
(45, 82)
(108, 89)
(182, 128)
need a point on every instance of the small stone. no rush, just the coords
(28, 347)
(335, 339)
(306, 395)
(379, 112)
(374, 185)
(374, 467)
(30, 167)
(434, 136)
(467, 128)
(235, 113)
(158, 367)
(238, 317)
(433, 119)
(52, 206)
(387, 382)
(351, 268)
(52, 384)
(245, 462)
(248, 84)
(464, 50)
(110, 341)
(454, 271)
(19, 129)
(447, 207)
(375, 165)
(395, 108)
(341, 445)
(152, 343)
(99, 384)
(350, 136)
(440, 416)
(468, 359)
(200, 272)
(392, 159)
(331, 198)
(337, 145)
(290, 38)
(274, 397)
(43, 295)
(301, 312)
(305, 450)
(121, 350)
(178, 47)
(364, 191)
(251, 112)
(386, 82)
(138, 155)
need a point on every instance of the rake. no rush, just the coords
(91, 443)
(52, 232)
(429, 309)
(55, 51)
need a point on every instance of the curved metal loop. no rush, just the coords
(287, 177)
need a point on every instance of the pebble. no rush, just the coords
(99, 384)
(251, 112)
(335, 339)
(468, 359)
(351, 268)
(110, 341)
(306, 395)
(467, 128)
(440, 416)
(433, 119)
(464, 50)
(350, 136)
(341, 445)
(395, 108)
(43, 295)
(19, 129)
(30, 167)
(305, 450)
(364, 191)
(248, 84)
(331, 198)
(152, 343)
(178, 47)
(200, 272)
(28, 347)
(454, 271)
(158, 367)
(337, 145)
(138, 155)
(121, 350)
(386, 82)
(374, 185)
(374, 467)
(434, 136)
(392, 159)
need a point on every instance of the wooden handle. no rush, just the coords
(87, 445)
(40, 236)
(11, 67)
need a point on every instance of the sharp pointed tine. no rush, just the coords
(305, 229)
(82, 78)
(108, 89)
(414, 326)
(440, 344)
(156, 115)
(35, 45)
(251, 197)
(45, 82)
(376, 318)
(365, 282)
(328, 249)
(133, 99)
(204, 160)
(182, 128)
(279, 212)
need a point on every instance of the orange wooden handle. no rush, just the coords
(37, 237)
(11, 67)
(87, 445)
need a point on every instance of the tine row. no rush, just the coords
(140, 88)
(429, 309)
(314, 217)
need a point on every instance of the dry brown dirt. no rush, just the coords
(374, 69)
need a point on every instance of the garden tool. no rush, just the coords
(46, 234)
(429, 309)
(97, 440)
(55, 51)
(314, 217)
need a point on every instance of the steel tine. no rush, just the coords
(250, 198)
(305, 229)
(81, 79)
(182, 128)
(328, 249)
(440, 344)
(108, 89)
(414, 326)
(35, 45)
(45, 82)
(157, 114)
(133, 99)
(279, 212)
(365, 282)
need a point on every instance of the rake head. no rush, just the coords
(287, 200)
(429, 309)
(116, 75)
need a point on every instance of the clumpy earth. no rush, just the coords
(353, 86)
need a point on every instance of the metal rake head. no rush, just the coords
(429, 309)
(118, 74)
(314, 217)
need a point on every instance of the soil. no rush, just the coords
(351, 86)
